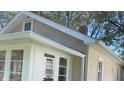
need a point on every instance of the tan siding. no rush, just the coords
(109, 63)
(16, 28)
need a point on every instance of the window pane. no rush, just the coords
(16, 65)
(49, 61)
(100, 71)
(48, 78)
(1, 76)
(49, 71)
(49, 66)
(63, 62)
(15, 77)
(62, 71)
(99, 76)
(100, 66)
(2, 65)
(27, 26)
(17, 55)
(62, 78)
(2, 55)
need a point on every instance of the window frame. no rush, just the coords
(4, 60)
(27, 21)
(53, 68)
(118, 74)
(66, 67)
(16, 61)
(100, 60)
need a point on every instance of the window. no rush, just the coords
(2, 64)
(62, 69)
(100, 69)
(49, 70)
(118, 73)
(16, 65)
(28, 26)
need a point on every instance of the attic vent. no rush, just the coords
(27, 26)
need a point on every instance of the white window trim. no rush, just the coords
(26, 21)
(53, 67)
(7, 67)
(67, 68)
(16, 61)
(3, 71)
(101, 60)
(118, 74)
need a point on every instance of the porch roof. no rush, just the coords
(39, 38)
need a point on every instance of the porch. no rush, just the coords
(17, 62)
(24, 58)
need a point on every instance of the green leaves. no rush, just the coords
(104, 25)
(7, 17)
(107, 26)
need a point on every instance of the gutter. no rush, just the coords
(39, 38)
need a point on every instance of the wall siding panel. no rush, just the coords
(109, 63)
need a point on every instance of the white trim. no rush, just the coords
(55, 44)
(7, 65)
(53, 64)
(102, 61)
(27, 21)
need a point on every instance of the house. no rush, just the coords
(35, 48)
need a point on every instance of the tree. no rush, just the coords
(6, 16)
(113, 30)
(107, 26)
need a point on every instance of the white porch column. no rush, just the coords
(7, 65)
(82, 69)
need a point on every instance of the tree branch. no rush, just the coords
(121, 29)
